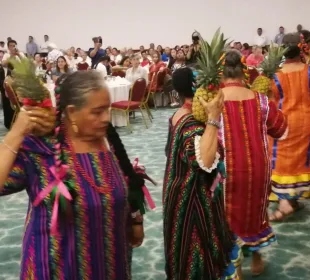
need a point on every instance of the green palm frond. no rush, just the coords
(272, 61)
(210, 60)
(25, 81)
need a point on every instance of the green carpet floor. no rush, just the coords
(290, 259)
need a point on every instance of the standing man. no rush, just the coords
(260, 40)
(44, 46)
(13, 52)
(31, 47)
(96, 52)
(299, 28)
(279, 38)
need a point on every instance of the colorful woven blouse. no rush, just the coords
(197, 238)
(245, 125)
(92, 244)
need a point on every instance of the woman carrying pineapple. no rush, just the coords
(198, 241)
(291, 156)
(246, 119)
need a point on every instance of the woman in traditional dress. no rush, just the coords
(198, 242)
(97, 227)
(247, 118)
(291, 157)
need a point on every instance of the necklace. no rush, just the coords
(234, 84)
(187, 105)
(105, 175)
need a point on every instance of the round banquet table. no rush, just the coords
(119, 91)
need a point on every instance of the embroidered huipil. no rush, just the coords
(94, 243)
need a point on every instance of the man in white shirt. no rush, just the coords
(13, 52)
(260, 40)
(44, 46)
(54, 53)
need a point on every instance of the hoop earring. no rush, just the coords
(75, 128)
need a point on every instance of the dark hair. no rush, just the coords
(233, 66)
(104, 58)
(182, 81)
(115, 49)
(46, 36)
(31, 37)
(123, 60)
(1, 42)
(66, 66)
(71, 89)
(1, 51)
(260, 29)
(305, 33)
(281, 27)
(291, 41)
(144, 51)
(246, 46)
(12, 41)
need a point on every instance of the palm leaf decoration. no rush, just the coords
(210, 60)
(25, 82)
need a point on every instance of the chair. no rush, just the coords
(119, 73)
(12, 96)
(136, 101)
(147, 97)
(253, 74)
(159, 79)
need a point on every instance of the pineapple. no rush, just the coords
(26, 83)
(209, 72)
(269, 67)
(30, 88)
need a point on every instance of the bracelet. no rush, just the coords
(9, 148)
(214, 123)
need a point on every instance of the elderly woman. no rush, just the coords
(136, 71)
(256, 58)
(85, 162)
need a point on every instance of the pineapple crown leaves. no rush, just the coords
(272, 61)
(210, 60)
(25, 81)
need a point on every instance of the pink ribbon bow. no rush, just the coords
(140, 169)
(61, 190)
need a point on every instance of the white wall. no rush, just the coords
(135, 22)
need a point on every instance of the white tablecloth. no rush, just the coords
(119, 91)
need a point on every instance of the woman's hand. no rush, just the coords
(137, 236)
(215, 107)
(33, 119)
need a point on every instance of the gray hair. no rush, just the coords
(135, 55)
(75, 87)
